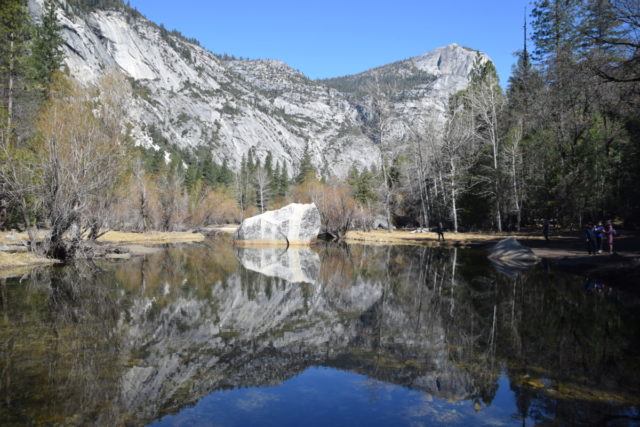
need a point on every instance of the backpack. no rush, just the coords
(614, 232)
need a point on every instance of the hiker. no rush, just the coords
(610, 232)
(590, 237)
(440, 231)
(599, 231)
(545, 229)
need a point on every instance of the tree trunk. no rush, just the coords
(387, 196)
(454, 208)
(10, 89)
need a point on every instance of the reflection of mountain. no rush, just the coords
(258, 330)
(294, 265)
(183, 323)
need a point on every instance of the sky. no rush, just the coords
(335, 38)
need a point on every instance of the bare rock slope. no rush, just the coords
(193, 97)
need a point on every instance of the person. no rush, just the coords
(590, 237)
(440, 231)
(599, 230)
(610, 232)
(545, 229)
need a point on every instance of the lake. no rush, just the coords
(212, 335)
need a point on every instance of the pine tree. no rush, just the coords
(225, 175)
(47, 51)
(554, 32)
(15, 29)
(275, 183)
(306, 169)
(268, 164)
(284, 181)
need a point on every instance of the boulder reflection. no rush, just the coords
(296, 265)
(128, 343)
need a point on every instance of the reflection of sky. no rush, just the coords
(329, 397)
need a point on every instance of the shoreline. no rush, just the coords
(565, 251)
(15, 260)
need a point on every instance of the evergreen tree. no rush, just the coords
(225, 176)
(15, 29)
(268, 164)
(275, 180)
(47, 52)
(306, 169)
(554, 32)
(362, 185)
(284, 181)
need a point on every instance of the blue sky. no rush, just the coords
(334, 38)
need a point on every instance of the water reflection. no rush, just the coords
(297, 265)
(130, 343)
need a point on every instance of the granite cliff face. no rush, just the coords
(196, 98)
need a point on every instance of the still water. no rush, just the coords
(352, 335)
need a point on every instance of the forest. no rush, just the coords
(560, 141)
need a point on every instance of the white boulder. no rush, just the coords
(294, 224)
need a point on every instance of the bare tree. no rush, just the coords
(262, 183)
(83, 151)
(172, 202)
(513, 158)
(485, 99)
(380, 112)
(458, 154)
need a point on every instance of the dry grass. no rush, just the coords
(9, 238)
(408, 238)
(150, 238)
(10, 262)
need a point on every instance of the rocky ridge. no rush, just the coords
(196, 98)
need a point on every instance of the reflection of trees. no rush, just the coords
(149, 336)
(59, 347)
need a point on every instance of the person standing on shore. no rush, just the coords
(545, 229)
(599, 230)
(610, 232)
(590, 238)
(440, 231)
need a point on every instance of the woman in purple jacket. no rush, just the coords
(609, 231)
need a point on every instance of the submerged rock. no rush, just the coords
(510, 257)
(511, 249)
(294, 224)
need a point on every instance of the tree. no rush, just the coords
(47, 54)
(485, 100)
(171, 200)
(262, 184)
(459, 153)
(83, 155)
(15, 29)
(306, 169)
(334, 201)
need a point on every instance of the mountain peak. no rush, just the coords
(451, 59)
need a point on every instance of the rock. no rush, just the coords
(380, 221)
(510, 257)
(191, 94)
(294, 224)
(295, 265)
(511, 249)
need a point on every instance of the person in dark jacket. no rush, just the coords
(545, 229)
(599, 231)
(590, 238)
(440, 231)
